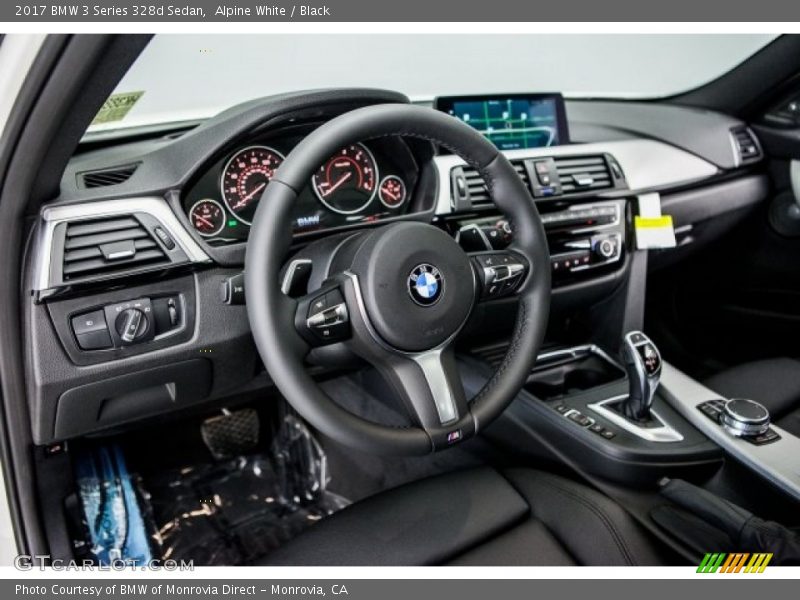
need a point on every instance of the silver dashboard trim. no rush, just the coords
(778, 462)
(52, 216)
(647, 164)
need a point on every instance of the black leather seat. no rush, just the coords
(775, 383)
(477, 517)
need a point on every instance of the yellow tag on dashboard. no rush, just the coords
(654, 232)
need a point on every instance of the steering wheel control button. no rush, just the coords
(328, 320)
(318, 305)
(501, 274)
(233, 290)
(425, 284)
(744, 418)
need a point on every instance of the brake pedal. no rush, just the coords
(232, 433)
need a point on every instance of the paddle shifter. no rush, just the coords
(643, 365)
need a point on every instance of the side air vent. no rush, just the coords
(107, 177)
(583, 174)
(745, 144)
(478, 193)
(109, 246)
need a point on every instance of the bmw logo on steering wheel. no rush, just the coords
(425, 284)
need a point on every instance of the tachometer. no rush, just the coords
(207, 217)
(347, 182)
(244, 178)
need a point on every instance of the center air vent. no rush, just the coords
(109, 246)
(478, 194)
(107, 177)
(745, 143)
(583, 173)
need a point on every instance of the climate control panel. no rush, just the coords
(581, 237)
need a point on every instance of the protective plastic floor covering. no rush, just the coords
(232, 512)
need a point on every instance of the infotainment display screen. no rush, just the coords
(512, 121)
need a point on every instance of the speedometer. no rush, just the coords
(348, 180)
(244, 178)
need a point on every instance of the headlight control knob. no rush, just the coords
(744, 418)
(132, 325)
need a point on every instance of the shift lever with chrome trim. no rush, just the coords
(643, 365)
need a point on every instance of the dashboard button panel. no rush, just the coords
(128, 323)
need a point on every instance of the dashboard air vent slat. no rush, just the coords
(478, 193)
(746, 144)
(109, 246)
(107, 177)
(583, 173)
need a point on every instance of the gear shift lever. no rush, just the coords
(643, 365)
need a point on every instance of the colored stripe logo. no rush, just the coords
(738, 562)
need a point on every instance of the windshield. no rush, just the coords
(190, 77)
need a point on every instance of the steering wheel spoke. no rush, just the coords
(500, 273)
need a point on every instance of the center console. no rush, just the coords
(575, 405)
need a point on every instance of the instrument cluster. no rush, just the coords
(360, 183)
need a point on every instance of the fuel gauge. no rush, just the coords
(392, 191)
(207, 217)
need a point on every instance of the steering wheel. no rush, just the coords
(397, 295)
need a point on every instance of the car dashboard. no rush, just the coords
(159, 223)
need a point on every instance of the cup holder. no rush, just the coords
(565, 372)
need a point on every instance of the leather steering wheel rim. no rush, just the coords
(271, 313)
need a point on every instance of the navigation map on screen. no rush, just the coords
(513, 122)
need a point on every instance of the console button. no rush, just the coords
(89, 322)
(608, 434)
(710, 410)
(765, 438)
(580, 419)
